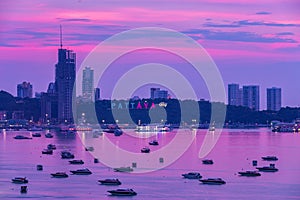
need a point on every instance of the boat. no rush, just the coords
(110, 182)
(153, 142)
(270, 168)
(89, 148)
(47, 151)
(118, 132)
(51, 146)
(270, 158)
(145, 150)
(81, 171)
(48, 135)
(23, 189)
(123, 169)
(213, 181)
(35, 129)
(207, 162)
(192, 175)
(20, 180)
(76, 162)
(249, 173)
(211, 128)
(67, 155)
(36, 135)
(122, 192)
(39, 167)
(60, 175)
(21, 137)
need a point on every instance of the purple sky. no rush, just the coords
(252, 42)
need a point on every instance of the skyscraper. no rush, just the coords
(251, 97)
(97, 94)
(156, 93)
(234, 95)
(24, 90)
(88, 83)
(273, 99)
(64, 81)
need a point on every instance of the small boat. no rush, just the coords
(76, 162)
(20, 180)
(60, 175)
(89, 148)
(153, 142)
(211, 128)
(23, 189)
(36, 135)
(270, 168)
(207, 162)
(39, 167)
(67, 155)
(213, 181)
(249, 173)
(81, 171)
(192, 175)
(145, 150)
(47, 151)
(270, 158)
(48, 135)
(122, 192)
(118, 132)
(123, 169)
(22, 137)
(51, 146)
(35, 129)
(110, 182)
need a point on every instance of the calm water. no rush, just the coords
(234, 151)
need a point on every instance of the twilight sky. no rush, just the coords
(251, 42)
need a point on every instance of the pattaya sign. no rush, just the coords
(135, 105)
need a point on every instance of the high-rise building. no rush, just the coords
(97, 94)
(24, 90)
(235, 94)
(88, 83)
(251, 97)
(274, 99)
(156, 93)
(64, 81)
(49, 105)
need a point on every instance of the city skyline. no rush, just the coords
(251, 42)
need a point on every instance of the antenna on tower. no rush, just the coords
(61, 37)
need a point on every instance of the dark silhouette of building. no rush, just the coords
(97, 94)
(24, 90)
(49, 105)
(64, 82)
(274, 99)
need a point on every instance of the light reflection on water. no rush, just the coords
(234, 151)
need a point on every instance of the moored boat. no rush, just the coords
(270, 158)
(145, 150)
(207, 162)
(67, 155)
(123, 169)
(249, 173)
(270, 168)
(20, 180)
(192, 175)
(21, 137)
(48, 135)
(213, 181)
(36, 135)
(153, 142)
(60, 175)
(81, 171)
(47, 151)
(122, 192)
(110, 182)
(76, 162)
(51, 146)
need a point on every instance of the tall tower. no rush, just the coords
(273, 99)
(24, 90)
(234, 95)
(88, 83)
(64, 81)
(251, 97)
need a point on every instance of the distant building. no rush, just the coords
(274, 99)
(24, 90)
(18, 114)
(251, 97)
(64, 81)
(88, 83)
(235, 94)
(156, 93)
(97, 94)
(49, 105)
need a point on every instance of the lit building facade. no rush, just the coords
(24, 90)
(251, 97)
(274, 99)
